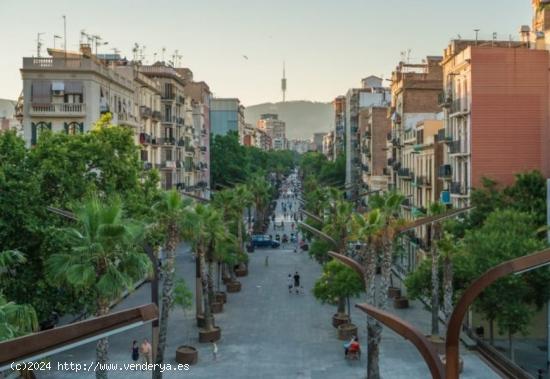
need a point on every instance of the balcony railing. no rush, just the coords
(444, 100)
(167, 141)
(404, 172)
(454, 147)
(144, 111)
(457, 188)
(386, 171)
(62, 109)
(156, 115)
(389, 136)
(459, 106)
(144, 138)
(444, 171)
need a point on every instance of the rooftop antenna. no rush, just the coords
(154, 57)
(55, 38)
(38, 44)
(477, 34)
(64, 35)
(135, 50)
(142, 53)
(283, 83)
(163, 51)
(82, 35)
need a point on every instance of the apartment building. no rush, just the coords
(339, 106)
(496, 113)
(415, 90)
(328, 146)
(176, 143)
(299, 145)
(275, 129)
(262, 140)
(69, 93)
(374, 127)
(249, 135)
(371, 93)
(227, 115)
(200, 95)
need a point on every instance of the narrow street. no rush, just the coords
(267, 332)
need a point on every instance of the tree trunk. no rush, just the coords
(102, 347)
(448, 288)
(435, 283)
(511, 347)
(166, 303)
(208, 318)
(240, 233)
(211, 296)
(341, 305)
(374, 328)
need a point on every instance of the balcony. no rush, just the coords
(404, 173)
(147, 165)
(455, 148)
(190, 149)
(386, 171)
(167, 141)
(396, 165)
(144, 112)
(144, 138)
(180, 121)
(61, 110)
(156, 115)
(154, 141)
(389, 136)
(423, 181)
(181, 142)
(168, 95)
(168, 164)
(396, 143)
(458, 106)
(444, 171)
(444, 100)
(457, 189)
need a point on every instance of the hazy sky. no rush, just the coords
(328, 46)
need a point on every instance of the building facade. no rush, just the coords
(339, 106)
(275, 129)
(496, 113)
(227, 115)
(328, 146)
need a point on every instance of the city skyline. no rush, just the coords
(240, 53)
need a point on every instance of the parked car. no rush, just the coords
(262, 240)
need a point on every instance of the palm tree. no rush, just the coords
(104, 259)
(260, 191)
(389, 207)
(435, 209)
(367, 229)
(205, 229)
(15, 319)
(170, 210)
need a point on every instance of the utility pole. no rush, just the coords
(65, 35)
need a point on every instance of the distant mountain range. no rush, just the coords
(303, 118)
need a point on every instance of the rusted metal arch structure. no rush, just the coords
(398, 325)
(403, 328)
(318, 232)
(514, 266)
(452, 367)
(309, 214)
(38, 345)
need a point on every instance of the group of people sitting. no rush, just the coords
(352, 349)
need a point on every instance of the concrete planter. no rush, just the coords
(438, 343)
(241, 271)
(187, 355)
(347, 331)
(226, 279)
(210, 335)
(394, 292)
(221, 297)
(400, 302)
(339, 319)
(216, 307)
(233, 286)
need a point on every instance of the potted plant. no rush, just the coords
(183, 298)
(335, 286)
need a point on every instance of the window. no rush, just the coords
(37, 129)
(74, 127)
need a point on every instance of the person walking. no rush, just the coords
(214, 350)
(290, 282)
(297, 282)
(135, 351)
(146, 353)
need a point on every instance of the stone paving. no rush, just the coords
(267, 332)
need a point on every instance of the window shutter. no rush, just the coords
(66, 126)
(81, 126)
(33, 133)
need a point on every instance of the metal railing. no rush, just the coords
(444, 171)
(60, 108)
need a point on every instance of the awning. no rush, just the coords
(41, 92)
(73, 87)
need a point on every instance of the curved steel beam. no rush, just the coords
(514, 266)
(309, 214)
(409, 332)
(351, 263)
(432, 219)
(318, 233)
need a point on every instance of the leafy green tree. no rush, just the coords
(15, 319)
(104, 259)
(337, 282)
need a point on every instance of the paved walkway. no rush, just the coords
(269, 333)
